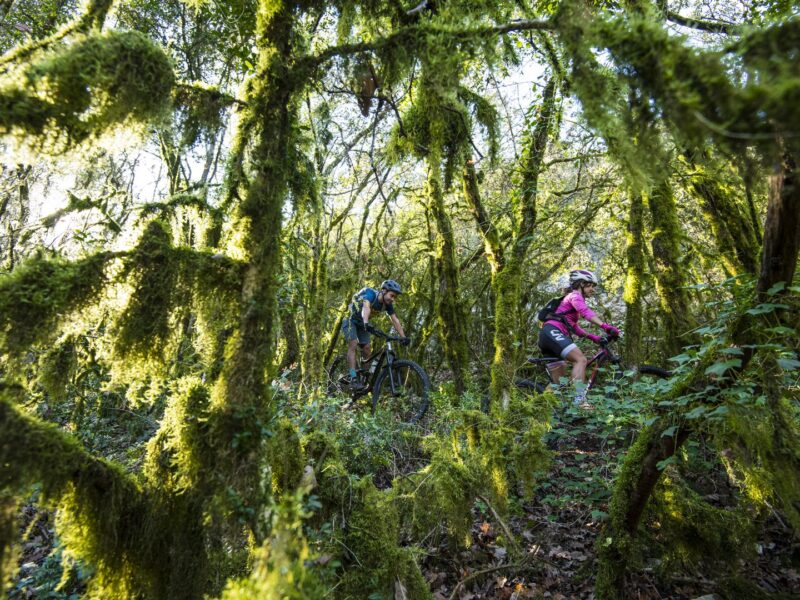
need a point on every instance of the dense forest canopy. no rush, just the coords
(191, 191)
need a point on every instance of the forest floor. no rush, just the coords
(557, 531)
(553, 553)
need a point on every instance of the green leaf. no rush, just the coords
(734, 350)
(669, 431)
(778, 287)
(781, 330)
(789, 364)
(720, 367)
(765, 308)
(663, 464)
(599, 515)
(681, 358)
(719, 411)
(696, 412)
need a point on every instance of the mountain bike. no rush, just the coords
(400, 385)
(603, 360)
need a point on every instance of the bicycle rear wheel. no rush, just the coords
(337, 382)
(656, 372)
(403, 390)
(530, 387)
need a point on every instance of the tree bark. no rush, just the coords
(634, 277)
(449, 308)
(669, 272)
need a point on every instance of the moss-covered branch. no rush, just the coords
(34, 296)
(141, 544)
(78, 92)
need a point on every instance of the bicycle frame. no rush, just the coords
(384, 354)
(604, 355)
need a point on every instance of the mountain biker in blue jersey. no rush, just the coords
(555, 337)
(356, 327)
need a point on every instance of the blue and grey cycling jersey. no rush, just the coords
(371, 296)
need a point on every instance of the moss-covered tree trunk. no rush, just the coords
(242, 402)
(449, 308)
(669, 272)
(634, 275)
(507, 266)
(315, 302)
(733, 231)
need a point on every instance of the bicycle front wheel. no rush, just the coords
(402, 389)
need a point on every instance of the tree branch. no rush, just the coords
(700, 25)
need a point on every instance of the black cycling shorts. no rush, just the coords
(555, 343)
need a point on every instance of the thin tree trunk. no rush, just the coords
(242, 402)
(507, 266)
(668, 269)
(634, 276)
(316, 297)
(450, 309)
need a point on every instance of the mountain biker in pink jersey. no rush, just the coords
(555, 337)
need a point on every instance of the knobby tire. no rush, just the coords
(413, 387)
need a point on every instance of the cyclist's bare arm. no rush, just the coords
(366, 311)
(397, 327)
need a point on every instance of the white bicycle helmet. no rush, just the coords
(583, 275)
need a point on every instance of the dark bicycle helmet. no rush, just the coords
(582, 275)
(390, 285)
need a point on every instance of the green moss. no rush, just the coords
(481, 457)
(283, 565)
(694, 531)
(616, 547)
(763, 456)
(145, 328)
(36, 296)
(377, 563)
(140, 543)
(80, 91)
(285, 458)
(178, 455)
(57, 368)
(9, 526)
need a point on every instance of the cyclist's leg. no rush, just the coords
(364, 342)
(351, 336)
(579, 362)
(555, 343)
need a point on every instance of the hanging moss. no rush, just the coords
(201, 111)
(82, 90)
(377, 563)
(57, 368)
(285, 458)
(36, 296)
(694, 531)
(178, 455)
(162, 210)
(139, 543)
(283, 565)
(145, 327)
(739, 97)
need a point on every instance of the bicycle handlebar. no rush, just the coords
(386, 336)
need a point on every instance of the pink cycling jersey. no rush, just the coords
(571, 309)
